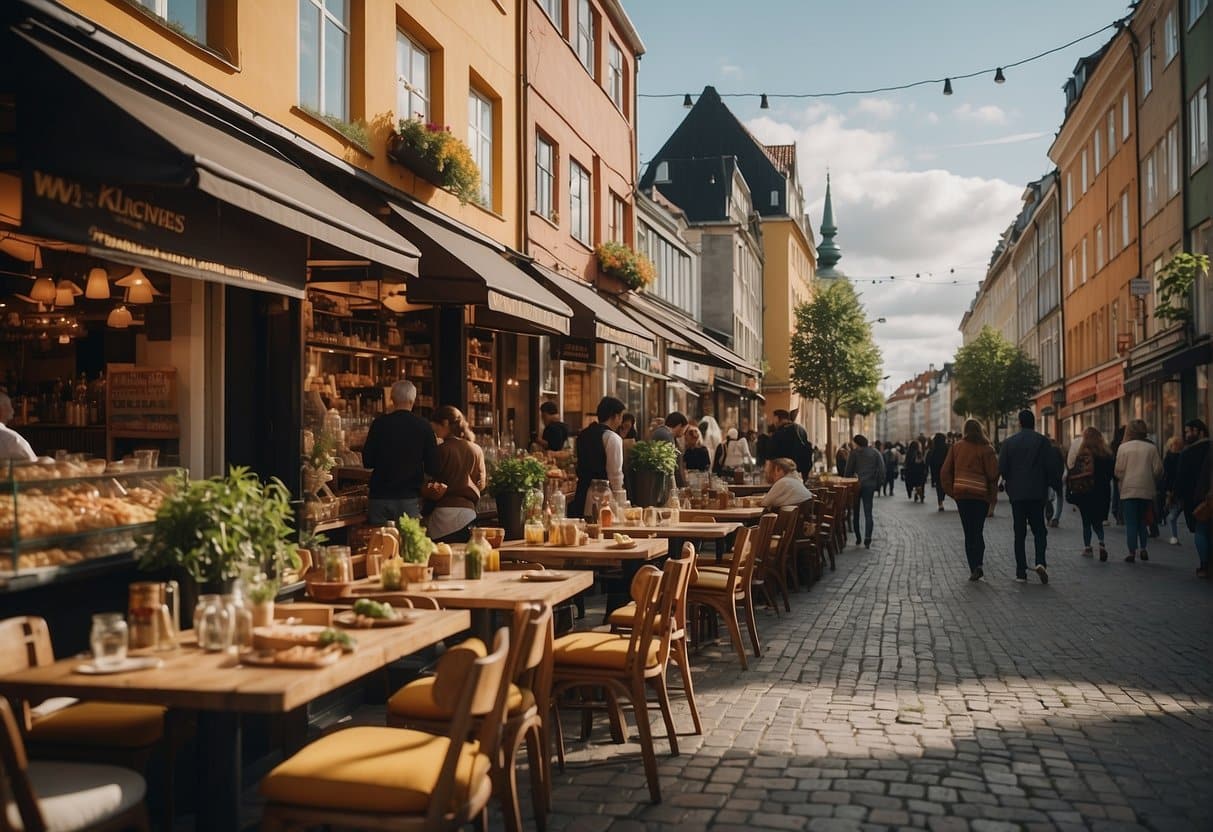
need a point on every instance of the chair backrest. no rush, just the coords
(531, 662)
(786, 526)
(479, 687)
(760, 544)
(655, 610)
(808, 513)
(13, 764)
(680, 596)
(321, 614)
(25, 642)
(741, 552)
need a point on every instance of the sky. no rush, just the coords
(922, 183)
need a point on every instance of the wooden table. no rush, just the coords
(746, 514)
(221, 689)
(596, 553)
(750, 490)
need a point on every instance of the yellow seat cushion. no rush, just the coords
(602, 650)
(371, 769)
(625, 616)
(416, 700)
(101, 724)
(712, 579)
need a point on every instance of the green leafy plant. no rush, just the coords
(260, 589)
(355, 131)
(415, 544)
(312, 541)
(654, 455)
(633, 268)
(516, 474)
(217, 528)
(1175, 282)
(446, 154)
(323, 456)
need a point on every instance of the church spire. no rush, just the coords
(828, 253)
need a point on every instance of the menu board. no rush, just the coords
(142, 402)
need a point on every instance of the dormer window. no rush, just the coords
(774, 199)
(663, 173)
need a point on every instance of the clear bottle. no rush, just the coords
(675, 506)
(475, 555)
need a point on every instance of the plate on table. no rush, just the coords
(349, 618)
(282, 636)
(131, 663)
(543, 576)
(631, 544)
(299, 657)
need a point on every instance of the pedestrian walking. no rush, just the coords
(1172, 505)
(400, 449)
(868, 465)
(915, 470)
(891, 462)
(1138, 469)
(969, 475)
(1054, 505)
(1089, 488)
(935, 460)
(1192, 486)
(1117, 438)
(1029, 468)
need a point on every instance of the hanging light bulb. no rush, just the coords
(66, 293)
(43, 291)
(119, 317)
(947, 86)
(764, 105)
(999, 78)
(98, 286)
(686, 101)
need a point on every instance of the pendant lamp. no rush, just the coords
(44, 290)
(98, 286)
(66, 293)
(119, 317)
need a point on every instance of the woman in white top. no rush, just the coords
(736, 451)
(1138, 469)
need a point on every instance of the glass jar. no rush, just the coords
(212, 623)
(598, 496)
(391, 573)
(337, 564)
(533, 506)
(533, 533)
(109, 639)
(474, 555)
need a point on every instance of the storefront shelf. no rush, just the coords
(345, 348)
(57, 540)
(40, 575)
(479, 355)
(339, 523)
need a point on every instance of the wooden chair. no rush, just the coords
(394, 778)
(305, 613)
(763, 580)
(625, 666)
(723, 591)
(623, 620)
(776, 565)
(805, 563)
(528, 701)
(66, 796)
(827, 523)
(98, 732)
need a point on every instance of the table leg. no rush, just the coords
(482, 626)
(621, 595)
(218, 796)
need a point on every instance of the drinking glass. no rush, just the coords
(109, 639)
(212, 623)
(650, 516)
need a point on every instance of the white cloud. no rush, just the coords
(879, 108)
(1014, 138)
(932, 118)
(732, 71)
(985, 114)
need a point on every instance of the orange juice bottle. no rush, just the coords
(605, 516)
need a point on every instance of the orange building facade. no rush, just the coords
(1099, 232)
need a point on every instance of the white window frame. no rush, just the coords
(619, 219)
(1149, 174)
(408, 91)
(196, 32)
(1099, 249)
(662, 176)
(1195, 9)
(582, 34)
(480, 140)
(1124, 117)
(1198, 129)
(1147, 68)
(554, 9)
(545, 177)
(1070, 270)
(1085, 178)
(615, 85)
(1170, 37)
(1111, 133)
(1124, 220)
(581, 199)
(1069, 191)
(1083, 275)
(1173, 164)
(321, 53)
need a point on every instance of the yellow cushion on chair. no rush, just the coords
(602, 650)
(100, 724)
(625, 616)
(373, 769)
(416, 700)
(711, 578)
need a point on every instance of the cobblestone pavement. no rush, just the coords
(897, 694)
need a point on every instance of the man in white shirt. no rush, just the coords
(787, 487)
(599, 453)
(12, 444)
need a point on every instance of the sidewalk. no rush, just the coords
(898, 694)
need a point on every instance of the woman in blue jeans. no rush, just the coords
(1138, 469)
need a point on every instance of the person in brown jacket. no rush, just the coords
(458, 480)
(970, 477)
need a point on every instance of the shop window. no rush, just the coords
(580, 199)
(412, 79)
(545, 178)
(1170, 38)
(615, 77)
(324, 36)
(480, 141)
(1198, 128)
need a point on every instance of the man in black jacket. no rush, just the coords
(1191, 459)
(1030, 468)
(400, 449)
(791, 442)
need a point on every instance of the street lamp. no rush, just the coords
(878, 321)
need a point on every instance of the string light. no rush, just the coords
(999, 77)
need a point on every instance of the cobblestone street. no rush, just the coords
(898, 694)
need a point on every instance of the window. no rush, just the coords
(774, 199)
(617, 230)
(580, 199)
(189, 15)
(412, 79)
(480, 141)
(1084, 170)
(1098, 151)
(1149, 175)
(1170, 38)
(1099, 250)
(583, 34)
(1195, 9)
(1070, 272)
(1124, 117)
(1084, 260)
(1198, 128)
(1147, 65)
(1124, 220)
(1111, 133)
(545, 178)
(555, 11)
(324, 36)
(1173, 160)
(1069, 191)
(615, 75)
(662, 177)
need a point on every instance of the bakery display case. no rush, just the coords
(61, 518)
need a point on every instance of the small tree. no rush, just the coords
(1175, 282)
(833, 357)
(993, 377)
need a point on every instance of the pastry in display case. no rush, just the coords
(56, 514)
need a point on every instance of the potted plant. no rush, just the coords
(415, 548)
(261, 591)
(509, 482)
(318, 463)
(652, 462)
(215, 529)
(437, 156)
(627, 266)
